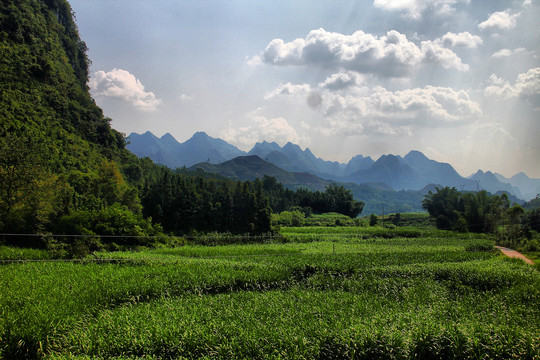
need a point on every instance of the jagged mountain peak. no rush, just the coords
(201, 135)
(478, 173)
(387, 159)
(521, 176)
(307, 151)
(416, 155)
(167, 136)
(146, 135)
(360, 157)
(290, 146)
(169, 139)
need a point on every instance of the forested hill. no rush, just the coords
(43, 72)
(58, 153)
(64, 170)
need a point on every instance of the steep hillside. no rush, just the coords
(58, 153)
(43, 72)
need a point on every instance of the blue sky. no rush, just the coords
(458, 80)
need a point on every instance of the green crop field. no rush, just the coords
(314, 293)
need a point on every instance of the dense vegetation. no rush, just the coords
(313, 292)
(481, 212)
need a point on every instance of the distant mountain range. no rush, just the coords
(169, 152)
(414, 171)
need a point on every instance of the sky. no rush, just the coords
(458, 80)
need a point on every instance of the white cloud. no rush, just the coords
(463, 39)
(122, 85)
(414, 9)
(499, 87)
(435, 53)
(185, 97)
(527, 85)
(262, 128)
(254, 61)
(351, 110)
(428, 106)
(501, 20)
(343, 79)
(392, 55)
(507, 52)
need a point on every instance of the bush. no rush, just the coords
(109, 224)
(288, 218)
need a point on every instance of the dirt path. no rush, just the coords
(514, 254)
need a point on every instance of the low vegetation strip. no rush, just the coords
(338, 297)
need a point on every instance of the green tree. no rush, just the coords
(373, 220)
(445, 206)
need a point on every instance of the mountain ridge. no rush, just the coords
(414, 171)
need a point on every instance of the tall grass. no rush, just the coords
(341, 296)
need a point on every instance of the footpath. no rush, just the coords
(514, 254)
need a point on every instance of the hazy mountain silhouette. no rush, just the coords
(389, 169)
(434, 172)
(292, 158)
(414, 171)
(169, 152)
(489, 182)
(528, 187)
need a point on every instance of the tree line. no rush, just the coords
(481, 212)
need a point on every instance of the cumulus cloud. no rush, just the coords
(391, 55)
(435, 53)
(499, 87)
(501, 20)
(428, 106)
(527, 85)
(414, 9)
(463, 39)
(262, 128)
(378, 110)
(122, 85)
(342, 80)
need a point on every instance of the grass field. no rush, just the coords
(319, 293)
